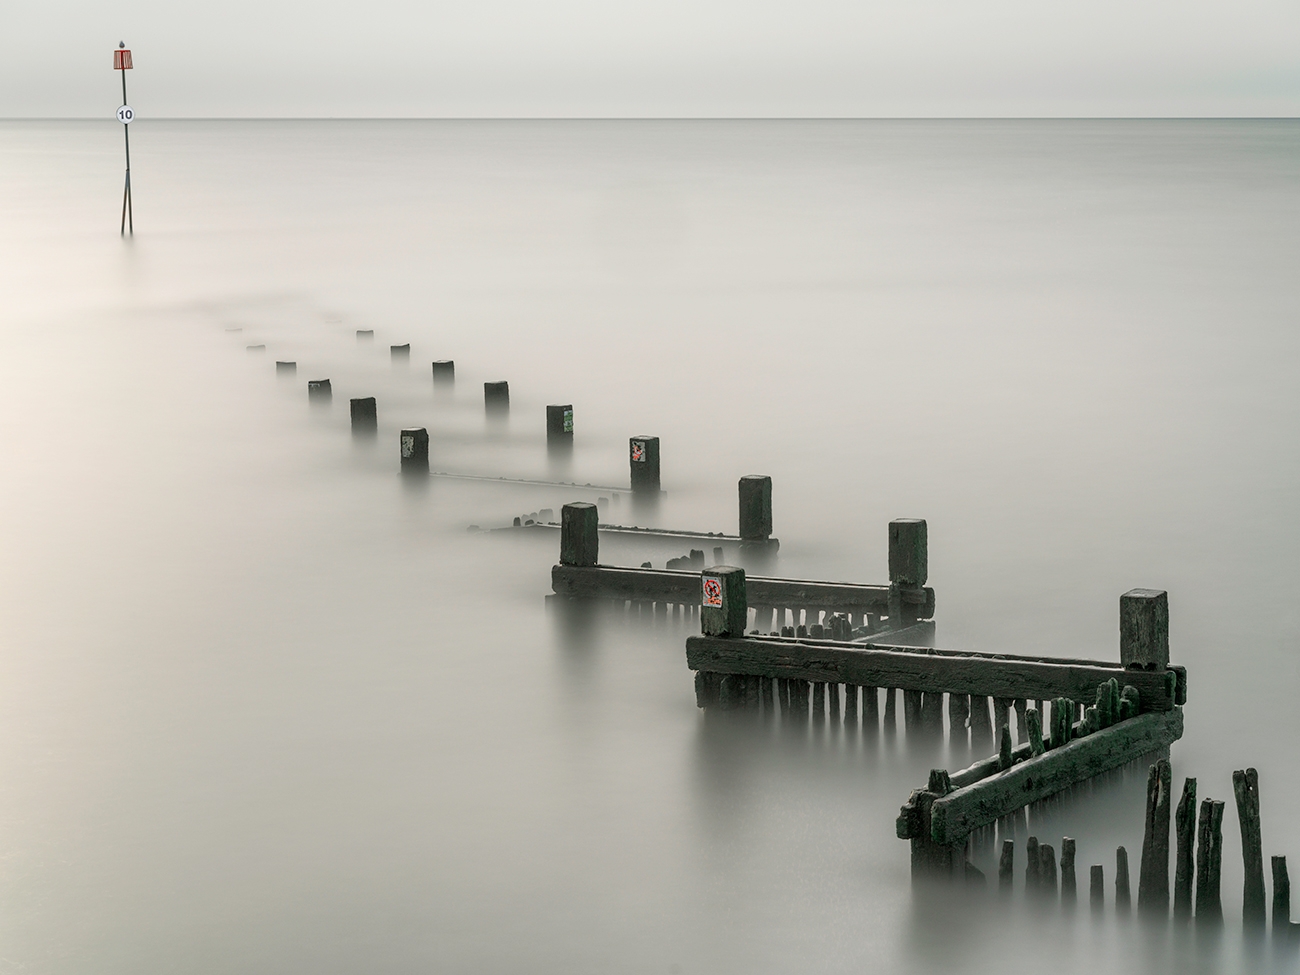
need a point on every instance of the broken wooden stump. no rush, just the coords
(1153, 875)
(1209, 863)
(1069, 891)
(1123, 894)
(1184, 864)
(1097, 887)
(1245, 787)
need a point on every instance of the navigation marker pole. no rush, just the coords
(122, 62)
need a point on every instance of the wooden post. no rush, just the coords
(755, 507)
(1069, 892)
(724, 609)
(559, 428)
(319, 392)
(1033, 864)
(1281, 900)
(1034, 725)
(400, 355)
(444, 375)
(1144, 629)
(871, 710)
(908, 567)
(643, 459)
(1004, 748)
(415, 452)
(579, 538)
(1097, 884)
(365, 335)
(1001, 716)
(850, 705)
(496, 399)
(1184, 865)
(1006, 864)
(932, 715)
(1022, 730)
(1153, 876)
(1209, 861)
(890, 723)
(1047, 870)
(286, 369)
(981, 727)
(1123, 893)
(958, 713)
(912, 712)
(365, 420)
(1245, 786)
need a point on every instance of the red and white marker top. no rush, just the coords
(121, 59)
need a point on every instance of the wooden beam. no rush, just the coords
(873, 665)
(963, 810)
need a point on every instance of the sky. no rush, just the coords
(668, 58)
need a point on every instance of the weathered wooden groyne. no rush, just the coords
(906, 604)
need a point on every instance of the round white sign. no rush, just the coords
(125, 114)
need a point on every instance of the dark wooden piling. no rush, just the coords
(1144, 629)
(755, 507)
(1123, 893)
(912, 712)
(1047, 870)
(1245, 787)
(643, 461)
(1209, 862)
(496, 399)
(981, 726)
(871, 710)
(1006, 864)
(400, 355)
(415, 452)
(1022, 731)
(1069, 890)
(286, 369)
(958, 714)
(908, 552)
(833, 702)
(444, 375)
(1153, 875)
(818, 702)
(1004, 748)
(1281, 900)
(724, 608)
(579, 537)
(559, 428)
(1097, 887)
(1034, 727)
(365, 418)
(850, 705)
(1184, 864)
(890, 724)
(1033, 864)
(319, 392)
(932, 715)
(1001, 716)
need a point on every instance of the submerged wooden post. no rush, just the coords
(724, 608)
(755, 507)
(319, 392)
(981, 727)
(579, 538)
(912, 712)
(1033, 864)
(1153, 875)
(365, 420)
(958, 714)
(1047, 869)
(1144, 629)
(643, 459)
(444, 375)
(559, 428)
(1069, 891)
(400, 355)
(1097, 887)
(286, 369)
(496, 399)
(1184, 865)
(1281, 900)
(1123, 893)
(1006, 864)
(365, 335)
(1209, 862)
(415, 452)
(1245, 787)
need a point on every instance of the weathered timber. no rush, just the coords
(1001, 716)
(958, 713)
(365, 419)
(414, 444)
(932, 715)
(1047, 869)
(818, 702)
(982, 802)
(1281, 899)
(496, 399)
(1153, 871)
(1097, 887)
(850, 704)
(724, 609)
(1006, 864)
(1123, 895)
(1209, 862)
(908, 552)
(911, 711)
(755, 507)
(981, 727)
(1004, 749)
(1034, 726)
(1033, 864)
(643, 461)
(833, 703)
(1144, 629)
(871, 709)
(1184, 864)
(1245, 787)
(1022, 730)
(614, 582)
(579, 539)
(1069, 889)
(444, 374)
(319, 392)
(559, 427)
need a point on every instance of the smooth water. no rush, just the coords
(262, 709)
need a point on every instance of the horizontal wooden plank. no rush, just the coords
(683, 586)
(964, 810)
(873, 665)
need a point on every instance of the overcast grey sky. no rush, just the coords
(663, 58)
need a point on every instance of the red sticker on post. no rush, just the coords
(638, 451)
(713, 591)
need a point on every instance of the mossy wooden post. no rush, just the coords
(912, 713)
(932, 715)
(1209, 862)
(1144, 629)
(559, 428)
(1006, 865)
(909, 566)
(444, 375)
(496, 400)
(724, 609)
(755, 507)
(286, 370)
(958, 714)
(930, 860)
(1097, 887)
(1069, 888)
(1001, 716)
(400, 355)
(365, 419)
(1184, 864)
(981, 727)
(1245, 787)
(319, 392)
(643, 460)
(1281, 900)
(1123, 892)
(1153, 875)
(579, 538)
(415, 452)
(1033, 864)
(1047, 870)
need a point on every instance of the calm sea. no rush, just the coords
(264, 710)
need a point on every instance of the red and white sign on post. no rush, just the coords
(121, 60)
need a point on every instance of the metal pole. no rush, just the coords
(126, 191)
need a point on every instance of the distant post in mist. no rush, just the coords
(496, 400)
(559, 428)
(122, 63)
(415, 452)
(643, 459)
